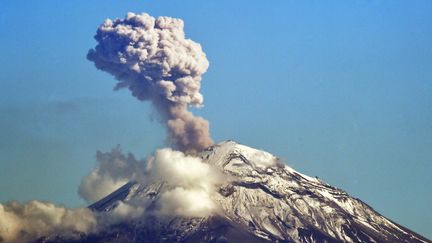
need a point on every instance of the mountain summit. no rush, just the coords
(262, 200)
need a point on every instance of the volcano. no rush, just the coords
(263, 201)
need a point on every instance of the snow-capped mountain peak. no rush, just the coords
(260, 200)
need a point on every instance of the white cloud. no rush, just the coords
(191, 183)
(182, 170)
(187, 202)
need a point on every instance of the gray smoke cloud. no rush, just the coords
(153, 59)
(113, 170)
(26, 222)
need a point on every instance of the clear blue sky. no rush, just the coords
(341, 90)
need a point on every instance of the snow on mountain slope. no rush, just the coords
(280, 203)
(261, 200)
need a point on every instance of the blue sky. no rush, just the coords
(341, 90)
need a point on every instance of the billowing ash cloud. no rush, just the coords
(153, 59)
(26, 222)
(113, 170)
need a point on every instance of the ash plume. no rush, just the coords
(153, 59)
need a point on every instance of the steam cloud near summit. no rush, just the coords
(191, 179)
(192, 185)
(153, 59)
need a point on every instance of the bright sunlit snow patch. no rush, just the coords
(258, 158)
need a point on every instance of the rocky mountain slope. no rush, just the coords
(262, 201)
